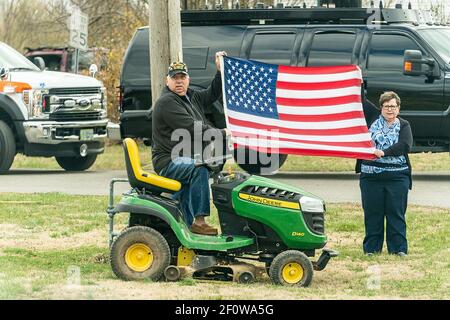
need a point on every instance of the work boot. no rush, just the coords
(203, 229)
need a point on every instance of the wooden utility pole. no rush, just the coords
(165, 41)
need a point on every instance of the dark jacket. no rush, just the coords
(172, 112)
(402, 147)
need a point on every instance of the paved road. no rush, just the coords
(428, 189)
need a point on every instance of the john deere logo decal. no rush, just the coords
(270, 202)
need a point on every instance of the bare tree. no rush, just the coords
(438, 9)
(24, 23)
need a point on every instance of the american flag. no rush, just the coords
(296, 110)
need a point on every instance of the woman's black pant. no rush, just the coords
(385, 195)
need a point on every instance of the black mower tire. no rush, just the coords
(287, 259)
(145, 236)
(7, 147)
(76, 163)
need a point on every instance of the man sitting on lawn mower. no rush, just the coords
(179, 107)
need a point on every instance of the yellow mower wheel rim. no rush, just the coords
(139, 257)
(292, 273)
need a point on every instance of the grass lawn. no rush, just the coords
(113, 159)
(49, 241)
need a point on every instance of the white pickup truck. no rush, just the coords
(49, 114)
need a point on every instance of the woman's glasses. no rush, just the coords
(390, 107)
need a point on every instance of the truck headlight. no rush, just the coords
(308, 204)
(34, 99)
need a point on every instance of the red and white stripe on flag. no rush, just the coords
(319, 109)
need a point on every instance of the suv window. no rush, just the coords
(439, 39)
(387, 50)
(275, 48)
(137, 64)
(331, 49)
(196, 58)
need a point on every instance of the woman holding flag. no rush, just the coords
(385, 182)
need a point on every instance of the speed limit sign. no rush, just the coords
(79, 30)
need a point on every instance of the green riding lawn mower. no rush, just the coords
(266, 226)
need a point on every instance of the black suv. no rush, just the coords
(397, 49)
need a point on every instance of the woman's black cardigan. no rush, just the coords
(405, 139)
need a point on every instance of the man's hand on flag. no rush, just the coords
(218, 55)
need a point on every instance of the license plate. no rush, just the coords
(86, 134)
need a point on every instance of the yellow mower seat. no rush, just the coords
(141, 179)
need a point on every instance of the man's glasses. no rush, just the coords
(390, 107)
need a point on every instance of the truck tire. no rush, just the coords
(76, 163)
(7, 147)
(256, 167)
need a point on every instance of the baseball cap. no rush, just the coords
(177, 67)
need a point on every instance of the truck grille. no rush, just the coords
(75, 104)
(74, 91)
(72, 116)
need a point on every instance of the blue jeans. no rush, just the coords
(194, 195)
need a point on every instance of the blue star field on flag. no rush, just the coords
(250, 87)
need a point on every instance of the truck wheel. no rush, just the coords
(7, 147)
(250, 161)
(140, 253)
(76, 163)
(291, 268)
